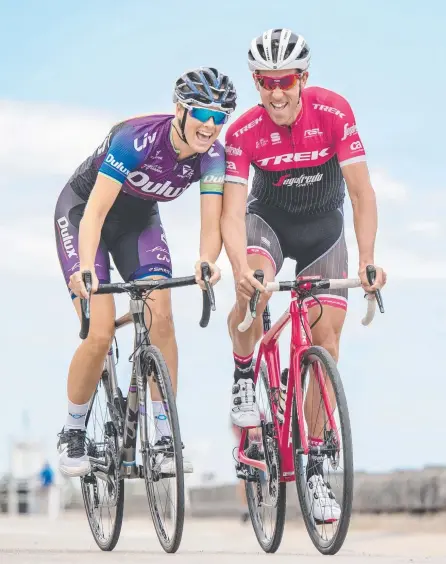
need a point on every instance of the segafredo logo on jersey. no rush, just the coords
(142, 181)
(302, 180)
(66, 238)
(230, 150)
(295, 157)
(115, 164)
(146, 139)
(349, 131)
(329, 110)
(247, 127)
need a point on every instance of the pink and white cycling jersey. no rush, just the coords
(297, 167)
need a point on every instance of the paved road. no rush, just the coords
(38, 540)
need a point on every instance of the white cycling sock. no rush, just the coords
(76, 415)
(162, 427)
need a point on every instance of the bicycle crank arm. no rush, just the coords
(102, 476)
(97, 464)
(317, 451)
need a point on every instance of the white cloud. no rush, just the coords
(428, 228)
(54, 139)
(46, 138)
(398, 262)
(28, 246)
(387, 188)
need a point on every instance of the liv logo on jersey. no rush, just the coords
(118, 165)
(142, 144)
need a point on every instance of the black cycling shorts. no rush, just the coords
(132, 233)
(316, 243)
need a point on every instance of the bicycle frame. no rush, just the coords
(125, 413)
(127, 421)
(297, 314)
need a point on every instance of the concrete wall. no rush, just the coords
(415, 491)
(406, 491)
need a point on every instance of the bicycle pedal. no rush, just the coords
(240, 472)
(253, 452)
(109, 429)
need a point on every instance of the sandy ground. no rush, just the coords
(387, 540)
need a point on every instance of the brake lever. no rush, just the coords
(85, 305)
(205, 276)
(371, 277)
(258, 275)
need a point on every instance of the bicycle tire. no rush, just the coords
(152, 357)
(271, 545)
(110, 543)
(333, 546)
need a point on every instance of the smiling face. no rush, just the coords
(280, 93)
(199, 134)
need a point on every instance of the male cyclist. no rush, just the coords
(110, 206)
(302, 143)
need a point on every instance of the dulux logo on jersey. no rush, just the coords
(141, 180)
(146, 139)
(115, 164)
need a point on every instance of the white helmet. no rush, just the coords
(279, 49)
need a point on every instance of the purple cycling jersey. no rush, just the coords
(139, 154)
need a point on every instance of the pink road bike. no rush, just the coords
(305, 400)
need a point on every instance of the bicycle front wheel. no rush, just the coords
(162, 459)
(324, 477)
(103, 491)
(266, 493)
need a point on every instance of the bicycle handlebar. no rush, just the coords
(325, 283)
(139, 286)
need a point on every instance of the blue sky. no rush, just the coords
(69, 71)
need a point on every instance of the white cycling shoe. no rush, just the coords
(73, 459)
(165, 462)
(244, 408)
(322, 501)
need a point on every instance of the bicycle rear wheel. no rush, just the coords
(103, 491)
(266, 494)
(165, 491)
(317, 486)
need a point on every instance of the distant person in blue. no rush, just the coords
(47, 475)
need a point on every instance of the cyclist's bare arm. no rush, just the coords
(210, 237)
(233, 225)
(233, 228)
(210, 233)
(365, 217)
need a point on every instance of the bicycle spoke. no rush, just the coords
(165, 492)
(104, 508)
(324, 477)
(266, 495)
